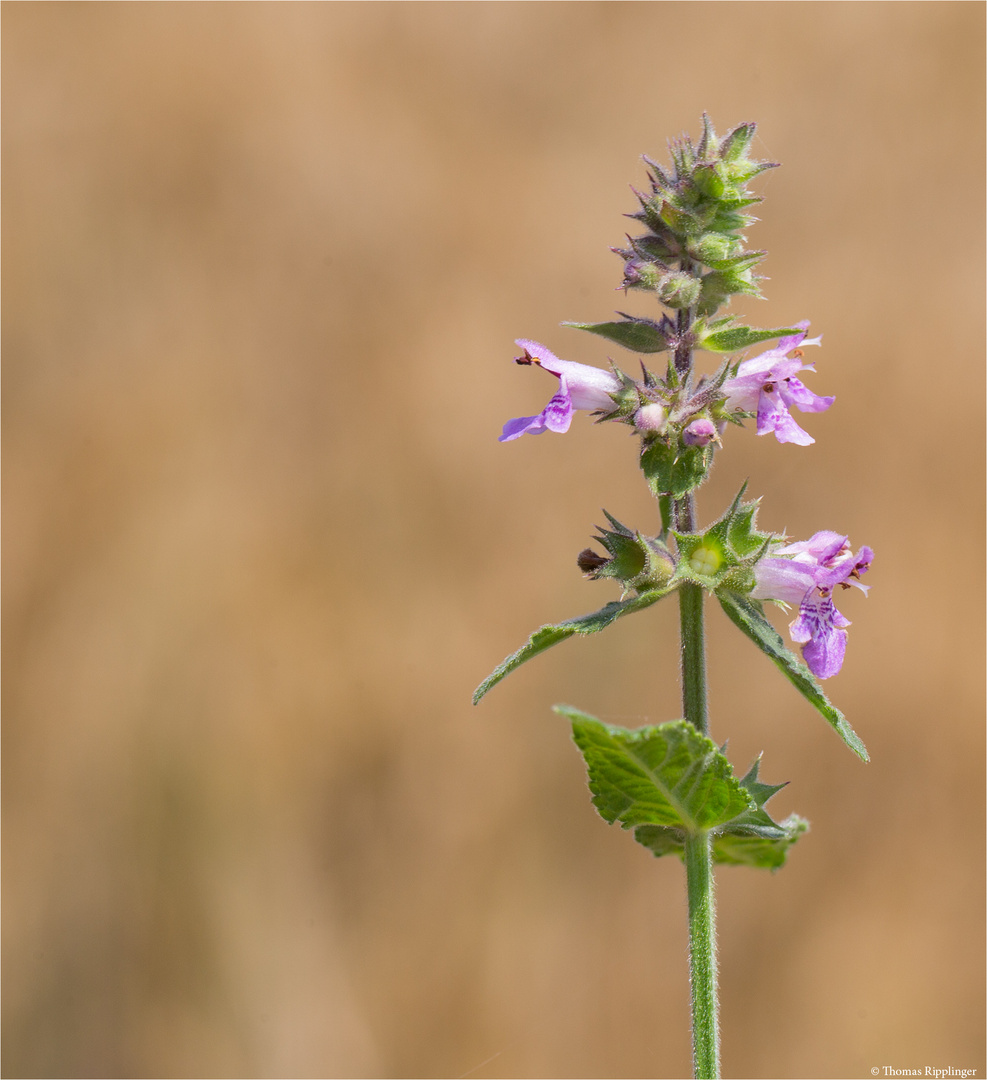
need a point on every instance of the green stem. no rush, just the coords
(692, 636)
(692, 631)
(698, 848)
(702, 957)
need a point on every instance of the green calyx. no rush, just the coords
(638, 562)
(628, 399)
(672, 468)
(724, 556)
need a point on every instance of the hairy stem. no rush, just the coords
(698, 848)
(692, 632)
(693, 647)
(702, 957)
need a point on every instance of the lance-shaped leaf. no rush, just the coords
(669, 776)
(638, 335)
(752, 838)
(740, 337)
(748, 617)
(547, 636)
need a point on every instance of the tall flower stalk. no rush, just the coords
(670, 783)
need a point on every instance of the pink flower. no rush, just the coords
(766, 384)
(700, 432)
(580, 387)
(805, 574)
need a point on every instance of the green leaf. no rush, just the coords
(739, 849)
(749, 839)
(638, 335)
(668, 775)
(748, 616)
(675, 470)
(740, 337)
(661, 840)
(553, 633)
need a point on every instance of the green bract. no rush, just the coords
(722, 337)
(673, 469)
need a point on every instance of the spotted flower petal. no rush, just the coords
(767, 384)
(819, 630)
(580, 387)
(806, 573)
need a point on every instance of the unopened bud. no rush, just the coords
(640, 274)
(651, 418)
(679, 290)
(700, 432)
(713, 247)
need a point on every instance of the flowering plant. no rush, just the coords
(670, 783)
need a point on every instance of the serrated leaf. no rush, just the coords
(669, 775)
(747, 616)
(750, 839)
(638, 335)
(729, 849)
(757, 821)
(740, 337)
(552, 633)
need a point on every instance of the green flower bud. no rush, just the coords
(679, 289)
(709, 180)
(713, 248)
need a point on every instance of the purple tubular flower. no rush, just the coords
(700, 432)
(805, 574)
(580, 387)
(767, 385)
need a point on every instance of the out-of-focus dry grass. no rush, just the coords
(263, 268)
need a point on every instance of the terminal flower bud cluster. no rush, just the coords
(692, 257)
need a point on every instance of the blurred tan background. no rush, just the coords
(264, 265)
